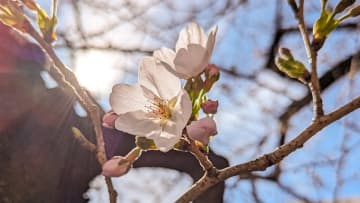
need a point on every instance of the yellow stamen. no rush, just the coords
(160, 108)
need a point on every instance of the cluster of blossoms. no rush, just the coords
(158, 109)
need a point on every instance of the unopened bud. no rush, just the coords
(202, 129)
(108, 119)
(116, 166)
(210, 106)
(212, 72)
(293, 68)
(342, 5)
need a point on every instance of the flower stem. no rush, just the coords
(54, 8)
(206, 164)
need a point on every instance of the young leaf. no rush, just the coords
(46, 25)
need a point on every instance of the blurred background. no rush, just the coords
(260, 108)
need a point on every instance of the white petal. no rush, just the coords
(150, 95)
(165, 144)
(169, 136)
(165, 55)
(137, 123)
(125, 98)
(154, 134)
(146, 72)
(211, 40)
(191, 34)
(182, 109)
(157, 78)
(191, 61)
(173, 129)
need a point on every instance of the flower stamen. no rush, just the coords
(159, 108)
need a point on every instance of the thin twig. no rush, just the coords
(112, 192)
(54, 8)
(292, 192)
(314, 85)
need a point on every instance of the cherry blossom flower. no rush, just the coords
(202, 129)
(156, 108)
(192, 52)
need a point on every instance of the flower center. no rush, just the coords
(161, 109)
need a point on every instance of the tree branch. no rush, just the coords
(270, 159)
(84, 99)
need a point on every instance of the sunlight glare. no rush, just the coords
(95, 71)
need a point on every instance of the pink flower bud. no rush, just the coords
(202, 129)
(212, 75)
(212, 72)
(210, 106)
(109, 120)
(116, 166)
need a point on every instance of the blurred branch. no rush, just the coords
(108, 47)
(340, 166)
(254, 191)
(292, 192)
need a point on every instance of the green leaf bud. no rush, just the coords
(46, 25)
(292, 67)
(324, 25)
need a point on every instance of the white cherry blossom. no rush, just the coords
(156, 108)
(192, 53)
